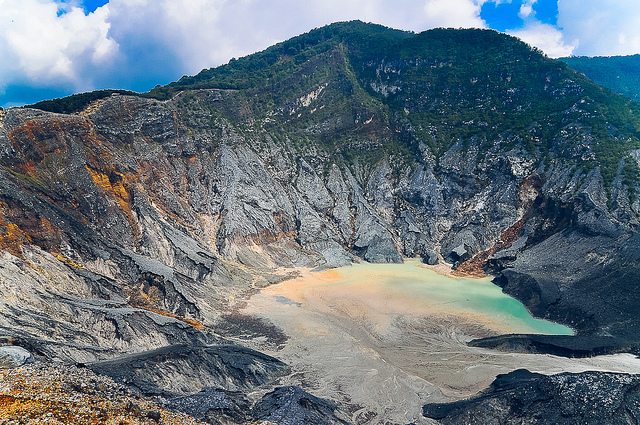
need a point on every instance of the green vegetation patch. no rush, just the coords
(618, 73)
(76, 102)
(363, 91)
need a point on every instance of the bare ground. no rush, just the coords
(383, 355)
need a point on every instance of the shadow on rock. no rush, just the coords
(567, 399)
(181, 369)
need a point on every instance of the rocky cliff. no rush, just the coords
(525, 397)
(133, 223)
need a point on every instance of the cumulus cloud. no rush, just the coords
(526, 9)
(547, 38)
(49, 43)
(136, 44)
(603, 27)
(454, 13)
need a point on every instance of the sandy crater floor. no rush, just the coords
(382, 353)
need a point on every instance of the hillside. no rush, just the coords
(131, 226)
(621, 74)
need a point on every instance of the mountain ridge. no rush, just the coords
(265, 71)
(145, 216)
(621, 74)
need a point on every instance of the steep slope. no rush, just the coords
(524, 397)
(462, 142)
(621, 74)
(134, 224)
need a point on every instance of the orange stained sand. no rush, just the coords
(196, 324)
(68, 261)
(12, 238)
(145, 304)
(119, 192)
(26, 129)
(474, 267)
(47, 397)
(28, 168)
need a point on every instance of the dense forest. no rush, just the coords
(621, 74)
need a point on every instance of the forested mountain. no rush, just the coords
(621, 74)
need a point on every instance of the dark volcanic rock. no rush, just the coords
(294, 406)
(520, 397)
(283, 406)
(214, 406)
(558, 345)
(182, 369)
(583, 281)
(430, 258)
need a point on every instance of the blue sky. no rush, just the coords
(53, 48)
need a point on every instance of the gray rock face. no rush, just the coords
(294, 406)
(373, 239)
(430, 258)
(186, 369)
(81, 317)
(341, 213)
(566, 399)
(214, 406)
(313, 188)
(12, 356)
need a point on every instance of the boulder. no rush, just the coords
(13, 356)
(430, 258)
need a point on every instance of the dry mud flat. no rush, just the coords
(382, 352)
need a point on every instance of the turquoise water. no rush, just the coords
(462, 295)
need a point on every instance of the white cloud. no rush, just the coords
(526, 9)
(205, 33)
(47, 42)
(603, 27)
(454, 13)
(136, 44)
(186, 30)
(545, 37)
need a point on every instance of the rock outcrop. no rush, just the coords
(284, 405)
(214, 406)
(564, 399)
(13, 356)
(185, 369)
(294, 406)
